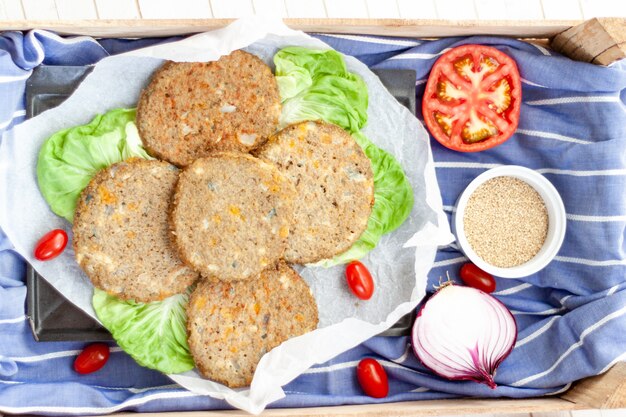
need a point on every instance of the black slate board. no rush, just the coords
(49, 86)
(52, 317)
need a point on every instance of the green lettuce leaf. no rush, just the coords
(154, 334)
(71, 157)
(316, 85)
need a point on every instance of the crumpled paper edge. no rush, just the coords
(238, 35)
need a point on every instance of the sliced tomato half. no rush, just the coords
(472, 98)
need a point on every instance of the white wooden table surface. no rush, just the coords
(410, 9)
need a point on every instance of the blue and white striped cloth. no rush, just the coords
(571, 315)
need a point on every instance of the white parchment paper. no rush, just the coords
(399, 263)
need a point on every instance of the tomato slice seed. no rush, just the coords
(478, 128)
(500, 96)
(447, 92)
(445, 122)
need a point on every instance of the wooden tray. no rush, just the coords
(601, 41)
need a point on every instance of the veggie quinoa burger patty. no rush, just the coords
(121, 234)
(334, 184)
(231, 325)
(191, 109)
(231, 215)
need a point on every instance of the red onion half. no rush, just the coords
(462, 333)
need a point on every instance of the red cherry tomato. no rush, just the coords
(372, 378)
(51, 245)
(92, 358)
(359, 280)
(475, 277)
(472, 98)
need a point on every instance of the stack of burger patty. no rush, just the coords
(227, 205)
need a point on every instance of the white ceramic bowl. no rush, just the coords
(556, 221)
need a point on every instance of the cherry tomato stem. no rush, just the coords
(359, 280)
(92, 358)
(372, 378)
(51, 245)
(475, 277)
